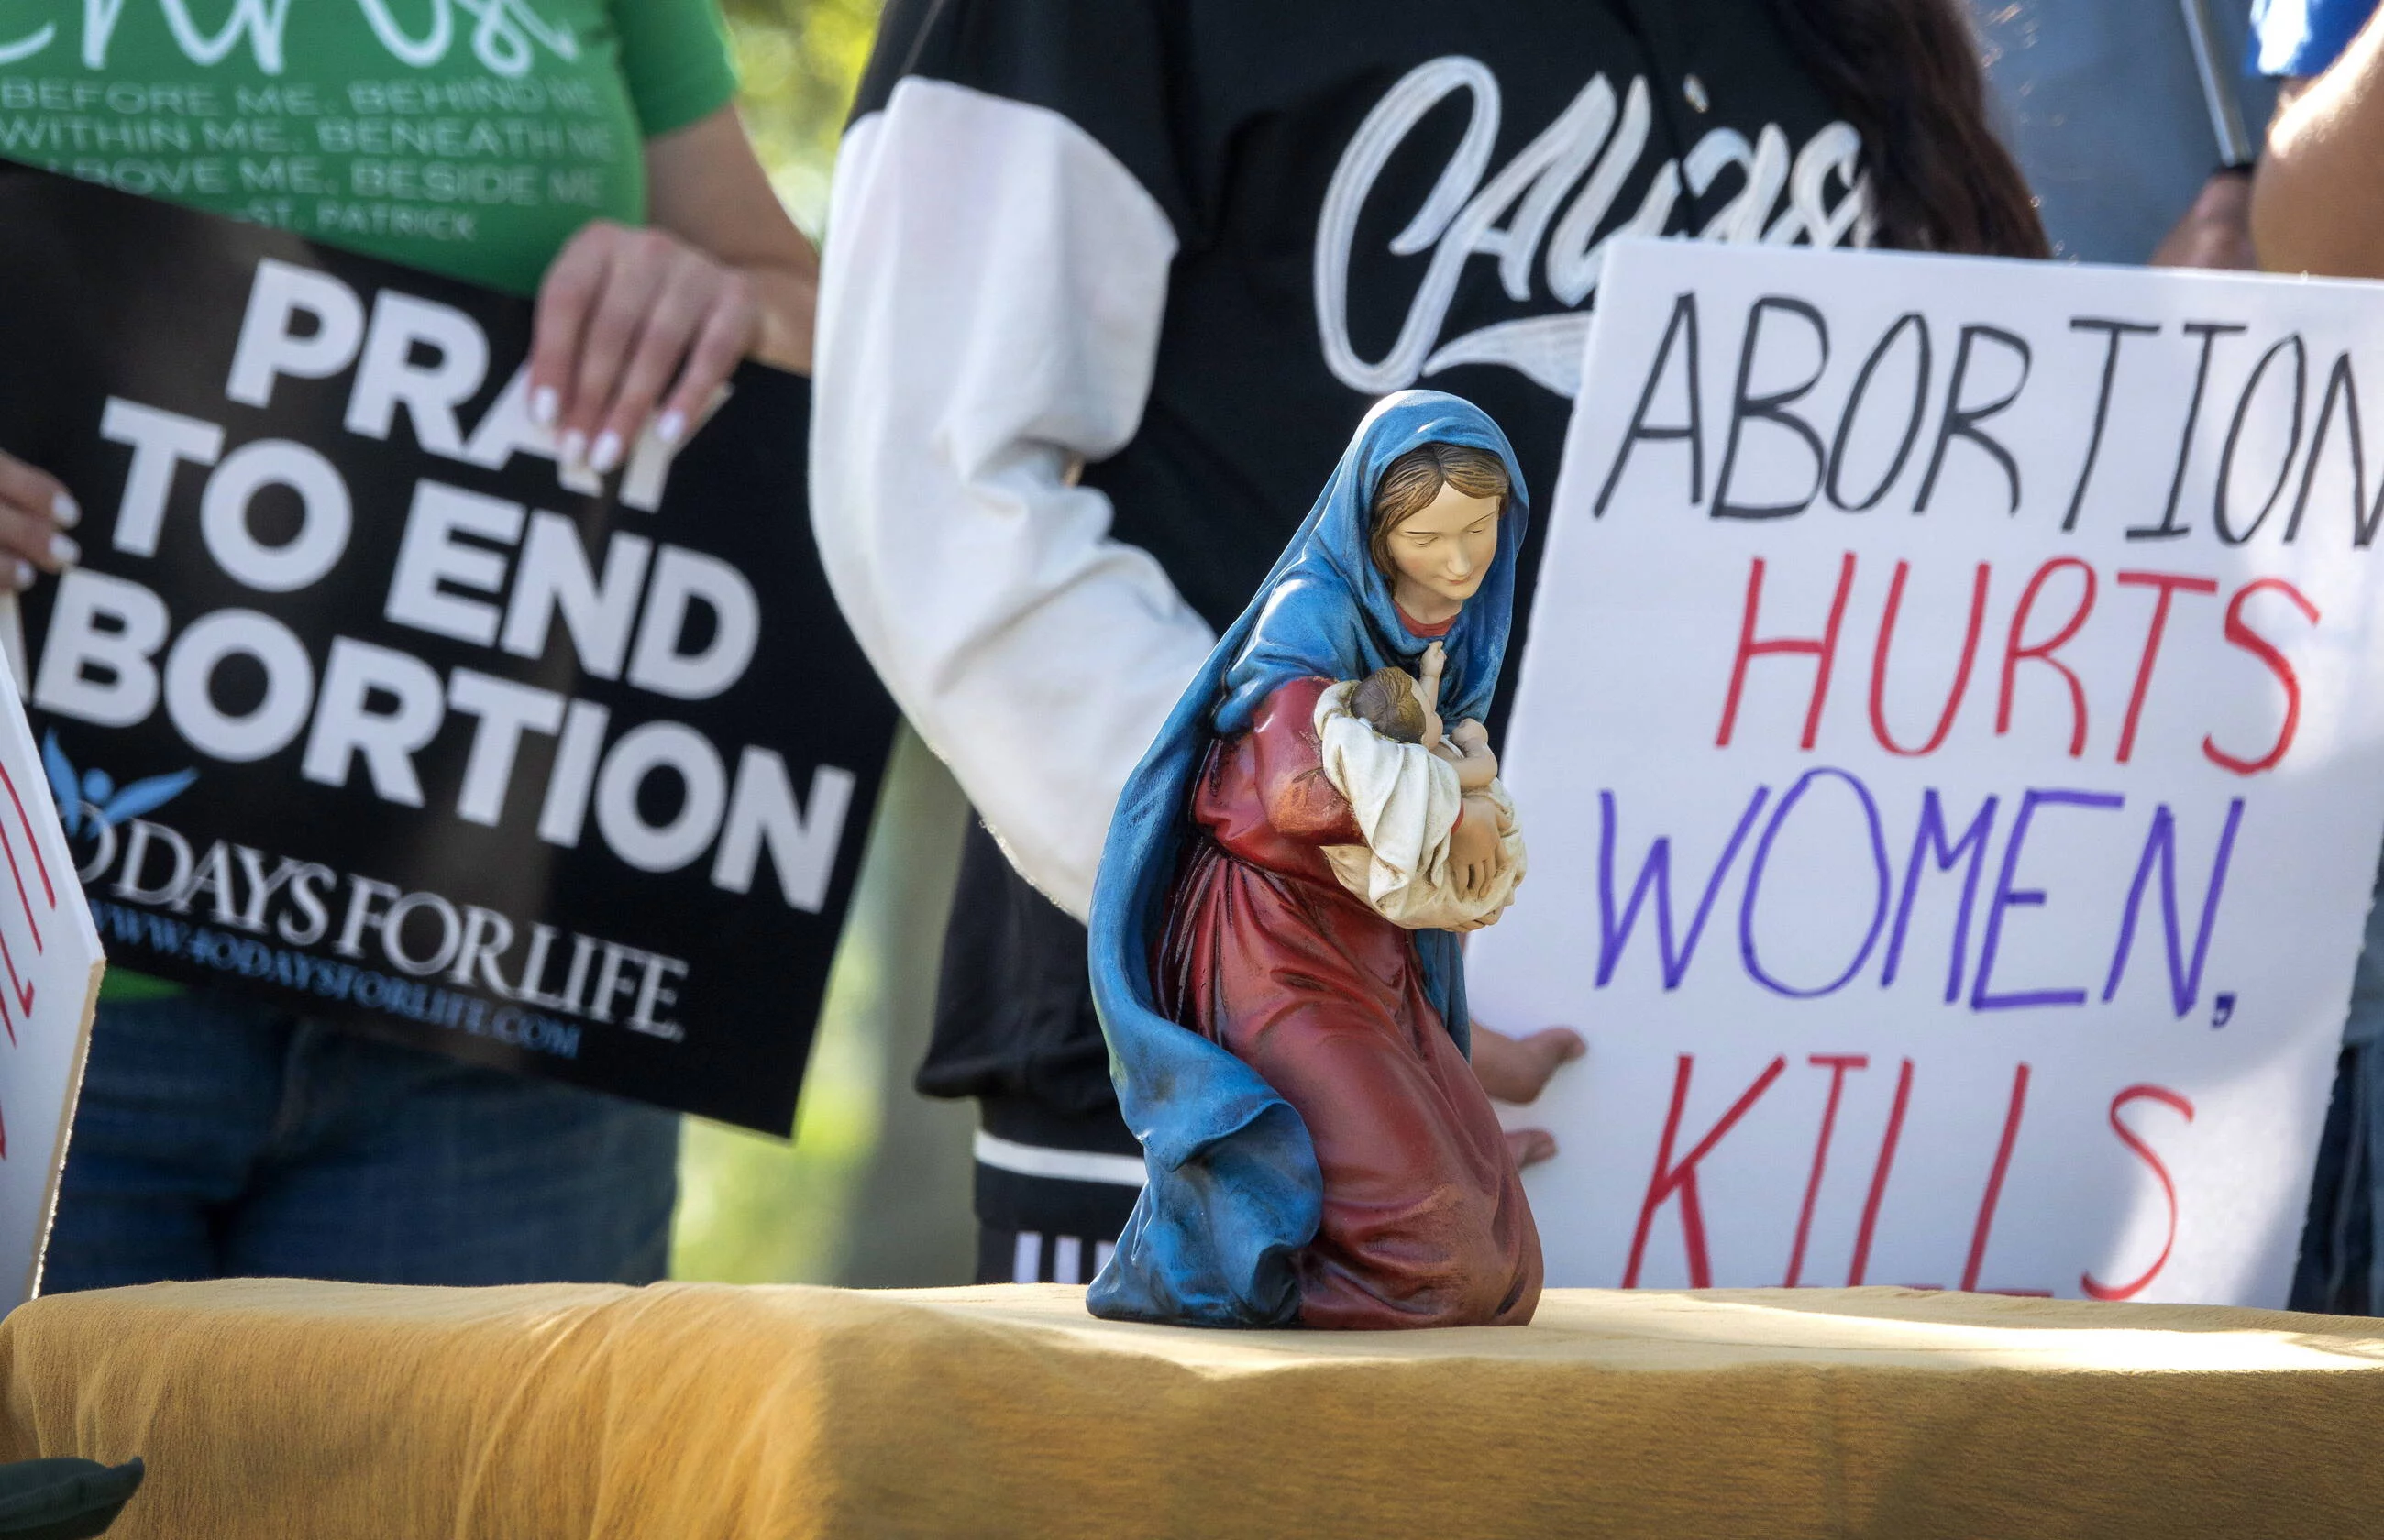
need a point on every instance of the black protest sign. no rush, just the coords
(358, 702)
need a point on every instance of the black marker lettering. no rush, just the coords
(1962, 422)
(2168, 528)
(1683, 321)
(1773, 407)
(2116, 329)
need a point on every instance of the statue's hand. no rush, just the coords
(1474, 849)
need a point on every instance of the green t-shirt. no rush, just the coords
(467, 137)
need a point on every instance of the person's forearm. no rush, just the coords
(708, 189)
(994, 290)
(2317, 204)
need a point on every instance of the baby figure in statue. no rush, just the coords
(1411, 785)
(1274, 929)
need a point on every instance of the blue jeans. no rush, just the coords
(219, 1138)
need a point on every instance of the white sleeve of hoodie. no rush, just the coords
(993, 290)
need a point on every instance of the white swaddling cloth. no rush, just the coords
(1407, 800)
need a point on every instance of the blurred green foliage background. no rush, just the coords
(799, 61)
(874, 1188)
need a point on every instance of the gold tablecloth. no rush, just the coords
(269, 1408)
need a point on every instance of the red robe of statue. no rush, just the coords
(1425, 1223)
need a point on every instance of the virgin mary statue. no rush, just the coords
(1318, 1151)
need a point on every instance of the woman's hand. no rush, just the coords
(636, 322)
(1517, 1070)
(630, 321)
(2217, 231)
(35, 511)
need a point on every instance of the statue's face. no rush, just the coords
(1442, 552)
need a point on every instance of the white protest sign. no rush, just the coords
(1950, 745)
(50, 967)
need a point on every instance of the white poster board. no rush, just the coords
(50, 967)
(2012, 952)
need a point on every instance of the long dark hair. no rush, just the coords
(1906, 74)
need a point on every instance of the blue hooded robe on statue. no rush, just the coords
(1233, 1192)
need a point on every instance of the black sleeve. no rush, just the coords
(1113, 67)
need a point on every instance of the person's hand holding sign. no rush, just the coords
(1516, 1070)
(635, 322)
(35, 512)
(623, 315)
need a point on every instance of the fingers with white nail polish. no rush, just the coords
(34, 507)
(636, 331)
